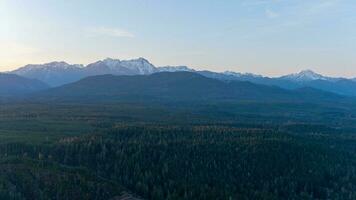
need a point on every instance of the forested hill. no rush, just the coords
(178, 86)
(11, 84)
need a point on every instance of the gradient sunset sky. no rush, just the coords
(270, 37)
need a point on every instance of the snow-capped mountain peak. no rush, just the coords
(141, 65)
(111, 63)
(305, 75)
(53, 73)
(52, 66)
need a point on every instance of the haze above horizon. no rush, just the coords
(269, 37)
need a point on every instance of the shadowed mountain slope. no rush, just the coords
(11, 84)
(177, 86)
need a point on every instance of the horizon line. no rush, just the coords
(190, 67)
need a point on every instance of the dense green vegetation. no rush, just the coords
(24, 178)
(236, 150)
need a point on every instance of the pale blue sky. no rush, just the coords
(270, 37)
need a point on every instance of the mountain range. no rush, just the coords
(57, 74)
(60, 73)
(178, 87)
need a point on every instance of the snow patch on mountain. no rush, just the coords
(175, 69)
(238, 74)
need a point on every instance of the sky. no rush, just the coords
(269, 37)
